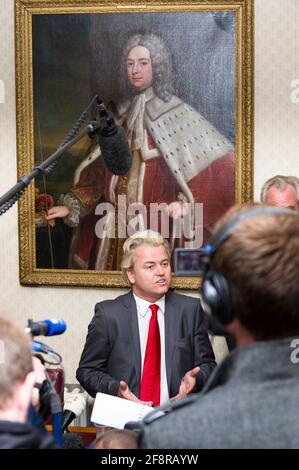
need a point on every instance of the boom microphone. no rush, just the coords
(113, 143)
(50, 327)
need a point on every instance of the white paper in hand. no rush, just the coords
(109, 410)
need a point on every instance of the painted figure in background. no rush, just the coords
(178, 157)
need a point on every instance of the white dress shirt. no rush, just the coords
(144, 315)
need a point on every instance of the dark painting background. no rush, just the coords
(76, 56)
(203, 51)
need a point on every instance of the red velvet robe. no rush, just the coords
(214, 187)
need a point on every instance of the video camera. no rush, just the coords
(189, 262)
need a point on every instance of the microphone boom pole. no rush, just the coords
(13, 194)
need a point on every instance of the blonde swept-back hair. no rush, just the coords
(15, 358)
(144, 237)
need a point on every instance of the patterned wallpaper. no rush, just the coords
(276, 149)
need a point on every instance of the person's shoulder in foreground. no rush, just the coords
(15, 435)
(243, 406)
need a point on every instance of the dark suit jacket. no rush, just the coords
(112, 349)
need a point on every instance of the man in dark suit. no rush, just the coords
(129, 350)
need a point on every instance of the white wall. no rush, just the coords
(276, 67)
(276, 151)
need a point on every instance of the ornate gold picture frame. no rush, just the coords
(69, 51)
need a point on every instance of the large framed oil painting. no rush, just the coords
(171, 85)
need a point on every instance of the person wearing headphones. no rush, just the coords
(250, 287)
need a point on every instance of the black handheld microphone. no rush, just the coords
(113, 143)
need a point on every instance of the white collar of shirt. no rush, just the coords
(143, 305)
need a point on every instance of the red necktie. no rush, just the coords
(150, 382)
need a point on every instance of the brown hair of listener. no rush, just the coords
(117, 439)
(260, 261)
(15, 358)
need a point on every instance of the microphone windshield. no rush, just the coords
(75, 403)
(115, 151)
(55, 326)
(50, 327)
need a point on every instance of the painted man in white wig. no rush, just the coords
(178, 157)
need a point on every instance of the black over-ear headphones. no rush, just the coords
(215, 293)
